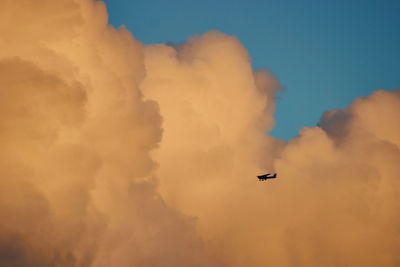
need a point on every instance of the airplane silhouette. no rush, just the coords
(265, 177)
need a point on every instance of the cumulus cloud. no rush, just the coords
(76, 136)
(342, 178)
(118, 154)
(334, 201)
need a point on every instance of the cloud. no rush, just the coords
(118, 154)
(333, 203)
(343, 178)
(76, 136)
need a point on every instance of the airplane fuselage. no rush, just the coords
(266, 177)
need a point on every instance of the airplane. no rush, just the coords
(265, 177)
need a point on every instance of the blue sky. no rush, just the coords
(325, 53)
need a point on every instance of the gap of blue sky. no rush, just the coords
(325, 53)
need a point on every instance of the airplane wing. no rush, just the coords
(266, 176)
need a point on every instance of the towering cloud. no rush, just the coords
(334, 203)
(115, 154)
(75, 181)
(216, 111)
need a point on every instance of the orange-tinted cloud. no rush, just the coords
(76, 137)
(115, 154)
(334, 201)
